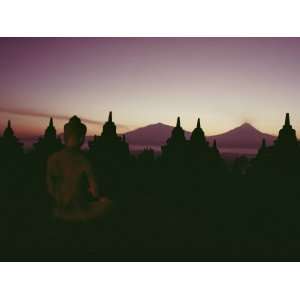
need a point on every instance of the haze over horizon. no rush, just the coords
(224, 81)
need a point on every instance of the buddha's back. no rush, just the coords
(71, 179)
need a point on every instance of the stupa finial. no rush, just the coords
(287, 119)
(215, 144)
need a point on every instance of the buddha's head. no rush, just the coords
(74, 133)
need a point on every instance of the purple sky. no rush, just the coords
(224, 81)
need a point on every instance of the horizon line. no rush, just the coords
(36, 114)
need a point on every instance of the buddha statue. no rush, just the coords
(71, 181)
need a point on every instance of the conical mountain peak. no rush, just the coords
(247, 125)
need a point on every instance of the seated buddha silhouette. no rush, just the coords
(71, 181)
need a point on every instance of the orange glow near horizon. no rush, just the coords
(34, 126)
(223, 81)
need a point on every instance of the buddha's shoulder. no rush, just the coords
(55, 157)
(66, 154)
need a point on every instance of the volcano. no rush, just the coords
(243, 137)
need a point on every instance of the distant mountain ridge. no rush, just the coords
(154, 134)
(244, 136)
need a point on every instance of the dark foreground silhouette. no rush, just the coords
(187, 204)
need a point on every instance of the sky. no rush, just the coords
(224, 81)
